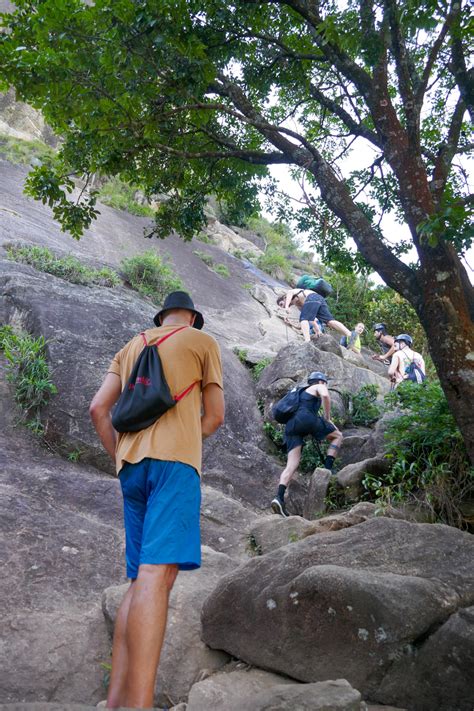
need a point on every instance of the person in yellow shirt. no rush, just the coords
(159, 468)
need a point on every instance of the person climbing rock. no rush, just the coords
(306, 421)
(353, 343)
(158, 466)
(406, 363)
(313, 307)
(386, 343)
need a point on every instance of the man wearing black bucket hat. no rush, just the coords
(158, 467)
(305, 420)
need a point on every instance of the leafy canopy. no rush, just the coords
(189, 98)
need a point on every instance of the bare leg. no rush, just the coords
(338, 326)
(115, 696)
(288, 472)
(146, 624)
(305, 330)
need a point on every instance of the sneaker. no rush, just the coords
(278, 507)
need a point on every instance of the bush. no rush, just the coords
(21, 152)
(208, 260)
(148, 274)
(28, 370)
(361, 407)
(275, 264)
(430, 467)
(259, 367)
(68, 268)
(121, 196)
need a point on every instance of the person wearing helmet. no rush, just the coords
(313, 307)
(306, 421)
(402, 358)
(386, 343)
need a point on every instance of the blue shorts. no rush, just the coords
(315, 307)
(161, 502)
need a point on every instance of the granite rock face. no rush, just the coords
(350, 604)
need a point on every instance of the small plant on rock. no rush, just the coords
(28, 371)
(148, 274)
(68, 268)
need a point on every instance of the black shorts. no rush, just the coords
(314, 307)
(303, 425)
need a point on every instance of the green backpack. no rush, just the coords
(320, 286)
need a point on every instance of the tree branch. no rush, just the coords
(447, 152)
(356, 128)
(464, 77)
(402, 61)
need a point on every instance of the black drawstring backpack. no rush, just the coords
(146, 396)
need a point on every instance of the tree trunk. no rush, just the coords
(446, 318)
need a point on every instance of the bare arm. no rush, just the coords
(213, 409)
(393, 367)
(99, 409)
(289, 296)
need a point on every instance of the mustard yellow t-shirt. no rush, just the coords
(187, 356)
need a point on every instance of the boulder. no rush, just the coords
(347, 604)
(184, 657)
(256, 690)
(271, 532)
(315, 502)
(54, 656)
(376, 445)
(294, 363)
(449, 651)
(351, 476)
(351, 447)
(225, 522)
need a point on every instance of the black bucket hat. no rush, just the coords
(180, 300)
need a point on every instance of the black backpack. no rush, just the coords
(285, 408)
(146, 396)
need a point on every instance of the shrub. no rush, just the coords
(148, 274)
(259, 367)
(205, 257)
(23, 152)
(121, 196)
(361, 407)
(68, 268)
(430, 466)
(222, 270)
(275, 264)
(28, 370)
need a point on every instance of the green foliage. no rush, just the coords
(206, 258)
(312, 455)
(361, 407)
(275, 433)
(121, 196)
(148, 274)
(258, 368)
(241, 354)
(253, 548)
(430, 467)
(23, 152)
(275, 264)
(68, 268)
(203, 237)
(221, 269)
(28, 370)
(74, 455)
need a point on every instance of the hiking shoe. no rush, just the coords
(278, 507)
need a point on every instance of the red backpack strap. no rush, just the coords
(142, 334)
(185, 392)
(170, 334)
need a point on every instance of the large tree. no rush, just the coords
(192, 98)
